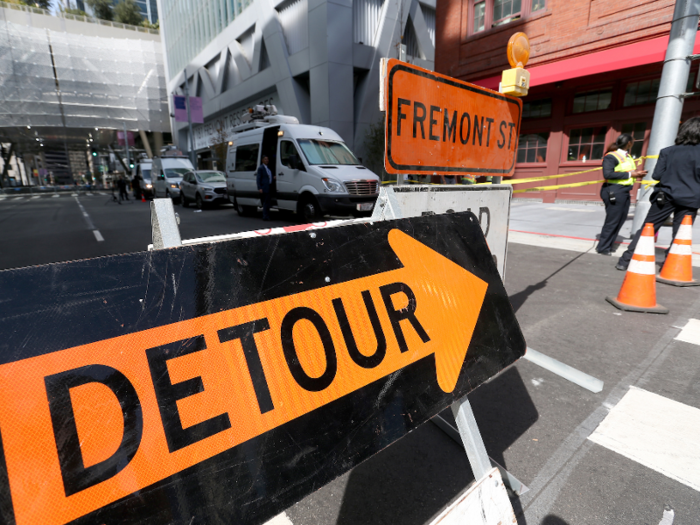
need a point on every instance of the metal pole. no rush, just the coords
(128, 156)
(189, 119)
(669, 102)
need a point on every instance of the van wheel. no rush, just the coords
(199, 202)
(183, 201)
(309, 210)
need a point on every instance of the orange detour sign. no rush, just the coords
(202, 416)
(439, 125)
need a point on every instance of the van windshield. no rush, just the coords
(211, 176)
(146, 174)
(175, 173)
(326, 152)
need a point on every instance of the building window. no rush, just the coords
(533, 147)
(538, 108)
(479, 16)
(491, 13)
(505, 10)
(643, 92)
(592, 101)
(586, 144)
(637, 130)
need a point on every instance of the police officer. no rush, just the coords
(678, 190)
(619, 171)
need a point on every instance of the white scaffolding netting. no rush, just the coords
(103, 82)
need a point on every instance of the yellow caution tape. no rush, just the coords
(547, 177)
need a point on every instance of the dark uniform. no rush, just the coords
(615, 193)
(678, 192)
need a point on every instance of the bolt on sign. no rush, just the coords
(222, 383)
(436, 124)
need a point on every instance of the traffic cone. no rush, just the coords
(678, 268)
(143, 198)
(638, 291)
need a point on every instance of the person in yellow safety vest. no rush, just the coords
(620, 172)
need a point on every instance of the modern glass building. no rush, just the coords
(149, 10)
(317, 60)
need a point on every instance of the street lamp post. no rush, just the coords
(669, 101)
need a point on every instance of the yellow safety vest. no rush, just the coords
(624, 163)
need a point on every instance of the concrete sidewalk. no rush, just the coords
(575, 227)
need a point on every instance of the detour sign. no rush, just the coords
(439, 125)
(265, 382)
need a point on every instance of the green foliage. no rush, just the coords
(18, 2)
(127, 12)
(148, 25)
(71, 11)
(374, 148)
(44, 4)
(101, 8)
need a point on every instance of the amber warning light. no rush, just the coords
(436, 124)
(516, 81)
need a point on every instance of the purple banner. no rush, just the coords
(196, 110)
(180, 108)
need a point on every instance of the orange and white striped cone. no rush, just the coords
(638, 291)
(678, 268)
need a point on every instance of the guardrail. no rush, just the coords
(88, 19)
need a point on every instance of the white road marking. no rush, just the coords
(55, 196)
(280, 519)
(35, 197)
(73, 194)
(18, 198)
(655, 431)
(98, 236)
(690, 332)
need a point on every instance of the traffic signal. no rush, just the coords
(131, 165)
(93, 152)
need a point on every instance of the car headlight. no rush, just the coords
(333, 186)
(149, 186)
(174, 186)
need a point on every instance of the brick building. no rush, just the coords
(595, 67)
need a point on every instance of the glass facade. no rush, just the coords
(189, 25)
(103, 81)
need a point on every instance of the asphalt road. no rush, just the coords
(533, 422)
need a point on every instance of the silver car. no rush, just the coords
(203, 187)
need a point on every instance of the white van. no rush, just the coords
(316, 172)
(168, 170)
(144, 168)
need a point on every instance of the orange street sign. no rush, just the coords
(439, 125)
(224, 382)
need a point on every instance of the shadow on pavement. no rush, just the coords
(518, 299)
(416, 477)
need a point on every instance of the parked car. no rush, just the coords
(203, 187)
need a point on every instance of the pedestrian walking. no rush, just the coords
(121, 184)
(136, 186)
(264, 180)
(678, 190)
(619, 171)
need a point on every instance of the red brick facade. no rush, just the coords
(561, 30)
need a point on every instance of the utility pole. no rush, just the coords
(189, 120)
(128, 157)
(669, 102)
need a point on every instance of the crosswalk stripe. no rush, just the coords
(655, 431)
